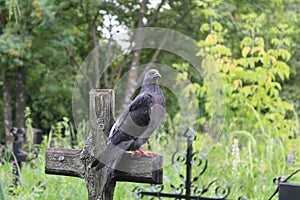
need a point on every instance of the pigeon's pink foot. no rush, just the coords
(140, 152)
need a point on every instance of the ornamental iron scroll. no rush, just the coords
(188, 189)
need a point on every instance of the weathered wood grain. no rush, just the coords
(65, 162)
(68, 162)
(101, 115)
(139, 169)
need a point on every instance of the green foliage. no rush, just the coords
(252, 44)
(33, 182)
(251, 80)
(249, 162)
(258, 121)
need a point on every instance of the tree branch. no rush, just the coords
(71, 56)
(154, 18)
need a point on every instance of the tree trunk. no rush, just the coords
(96, 71)
(138, 41)
(7, 104)
(20, 96)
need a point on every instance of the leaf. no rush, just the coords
(265, 60)
(277, 85)
(246, 42)
(271, 74)
(242, 62)
(222, 50)
(262, 51)
(246, 91)
(217, 26)
(259, 41)
(195, 87)
(194, 103)
(281, 75)
(287, 41)
(285, 54)
(254, 101)
(211, 39)
(237, 83)
(205, 27)
(273, 52)
(251, 62)
(245, 51)
(187, 91)
(201, 120)
(274, 92)
(255, 49)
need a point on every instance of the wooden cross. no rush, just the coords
(77, 163)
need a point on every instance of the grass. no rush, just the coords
(258, 159)
(248, 161)
(35, 184)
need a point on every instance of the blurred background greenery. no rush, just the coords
(253, 44)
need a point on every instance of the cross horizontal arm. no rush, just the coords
(65, 162)
(68, 162)
(140, 169)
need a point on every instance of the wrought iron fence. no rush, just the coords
(189, 187)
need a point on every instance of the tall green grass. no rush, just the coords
(248, 161)
(250, 171)
(35, 184)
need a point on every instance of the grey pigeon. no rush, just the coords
(136, 123)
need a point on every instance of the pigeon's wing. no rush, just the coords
(134, 119)
(156, 117)
(141, 101)
(130, 125)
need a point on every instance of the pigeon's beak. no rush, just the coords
(157, 75)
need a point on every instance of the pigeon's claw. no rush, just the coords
(141, 153)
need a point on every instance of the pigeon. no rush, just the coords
(136, 123)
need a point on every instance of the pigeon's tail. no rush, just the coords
(111, 154)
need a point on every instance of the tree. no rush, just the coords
(61, 30)
(19, 39)
(14, 46)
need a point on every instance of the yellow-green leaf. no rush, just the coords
(211, 39)
(245, 51)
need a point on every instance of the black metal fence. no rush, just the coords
(189, 187)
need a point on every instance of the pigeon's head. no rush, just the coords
(152, 76)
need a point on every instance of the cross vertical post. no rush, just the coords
(101, 117)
